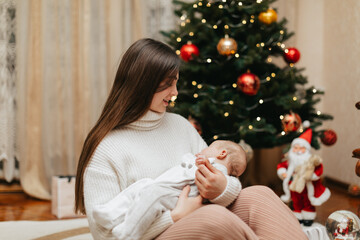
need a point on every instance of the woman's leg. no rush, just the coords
(266, 214)
(209, 222)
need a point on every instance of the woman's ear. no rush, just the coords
(222, 154)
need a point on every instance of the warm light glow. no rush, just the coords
(195, 5)
(208, 60)
(240, 3)
(172, 104)
(191, 34)
(226, 114)
(258, 119)
(173, 98)
(279, 44)
(215, 27)
(281, 117)
(243, 21)
(286, 50)
(226, 26)
(208, 4)
(237, 55)
(318, 113)
(200, 3)
(187, 20)
(193, 83)
(252, 20)
(314, 90)
(273, 74)
(268, 78)
(183, 24)
(294, 99)
(199, 86)
(178, 39)
(262, 44)
(283, 133)
(261, 101)
(291, 65)
(196, 95)
(182, 17)
(258, 45)
(250, 127)
(281, 31)
(203, 20)
(269, 59)
(282, 45)
(231, 102)
(177, 52)
(234, 85)
(221, 6)
(215, 137)
(258, 1)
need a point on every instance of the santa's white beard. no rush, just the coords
(296, 159)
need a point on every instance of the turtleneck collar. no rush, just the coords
(149, 121)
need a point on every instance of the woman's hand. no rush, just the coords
(186, 205)
(210, 181)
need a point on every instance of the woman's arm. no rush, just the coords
(215, 186)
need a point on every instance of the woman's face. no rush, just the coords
(162, 98)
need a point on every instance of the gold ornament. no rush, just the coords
(227, 46)
(268, 17)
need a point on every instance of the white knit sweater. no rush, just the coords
(144, 149)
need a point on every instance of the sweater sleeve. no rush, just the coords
(231, 192)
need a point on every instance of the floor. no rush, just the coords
(16, 205)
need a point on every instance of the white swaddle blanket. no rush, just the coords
(132, 212)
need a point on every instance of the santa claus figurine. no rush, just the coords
(310, 194)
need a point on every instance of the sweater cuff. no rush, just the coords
(158, 226)
(231, 192)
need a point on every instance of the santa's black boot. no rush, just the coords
(307, 223)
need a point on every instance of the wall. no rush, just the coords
(327, 34)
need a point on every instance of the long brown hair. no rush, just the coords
(143, 67)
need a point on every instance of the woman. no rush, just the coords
(135, 138)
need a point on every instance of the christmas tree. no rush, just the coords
(229, 83)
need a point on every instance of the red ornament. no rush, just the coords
(291, 122)
(291, 55)
(187, 50)
(248, 83)
(328, 137)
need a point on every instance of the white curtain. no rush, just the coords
(7, 89)
(68, 52)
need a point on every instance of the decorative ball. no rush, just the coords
(268, 17)
(195, 124)
(227, 46)
(357, 168)
(357, 105)
(248, 83)
(187, 50)
(291, 55)
(343, 224)
(354, 190)
(248, 150)
(328, 137)
(291, 122)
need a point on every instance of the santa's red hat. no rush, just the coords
(304, 139)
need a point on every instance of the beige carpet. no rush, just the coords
(73, 229)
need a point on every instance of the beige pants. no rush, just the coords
(258, 213)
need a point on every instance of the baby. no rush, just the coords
(131, 212)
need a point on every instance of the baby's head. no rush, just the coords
(227, 153)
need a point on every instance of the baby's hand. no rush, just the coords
(200, 159)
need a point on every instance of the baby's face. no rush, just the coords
(209, 152)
